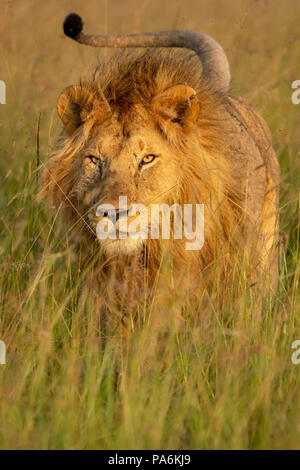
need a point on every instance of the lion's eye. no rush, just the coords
(148, 159)
(94, 160)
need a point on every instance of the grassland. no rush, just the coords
(221, 379)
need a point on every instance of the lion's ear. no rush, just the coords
(178, 104)
(77, 104)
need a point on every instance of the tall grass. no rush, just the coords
(183, 377)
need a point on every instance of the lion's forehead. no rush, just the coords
(134, 133)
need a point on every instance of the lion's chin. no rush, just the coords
(126, 246)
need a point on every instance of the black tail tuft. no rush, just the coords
(73, 25)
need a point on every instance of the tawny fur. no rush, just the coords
(222, 157)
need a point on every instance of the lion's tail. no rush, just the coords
(215, 65)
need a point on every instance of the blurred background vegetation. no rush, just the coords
(222, 380)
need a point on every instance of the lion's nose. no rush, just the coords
(115, 214)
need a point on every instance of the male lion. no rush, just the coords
(159, 127)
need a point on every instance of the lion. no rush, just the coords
(161, 126)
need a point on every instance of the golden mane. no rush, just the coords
(207, 156)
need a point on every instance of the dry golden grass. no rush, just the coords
(184, 378)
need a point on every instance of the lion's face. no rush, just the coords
(117, 155)
(129, 159)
